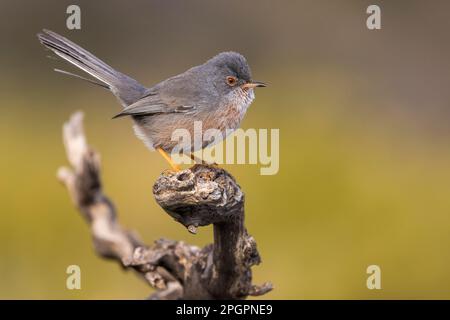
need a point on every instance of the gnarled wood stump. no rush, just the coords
(198, 196)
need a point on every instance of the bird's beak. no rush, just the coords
(253, 84)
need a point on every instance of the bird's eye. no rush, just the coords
(231, 80)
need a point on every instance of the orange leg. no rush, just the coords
(174, 166)
(195, 159)
(198, 160)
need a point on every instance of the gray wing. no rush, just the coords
(187, 92)
(153, 103)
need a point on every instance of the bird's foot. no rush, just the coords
(172, 164)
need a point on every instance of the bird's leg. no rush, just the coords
(174, 166)
(198, 160)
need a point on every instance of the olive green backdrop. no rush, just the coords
(363, 116)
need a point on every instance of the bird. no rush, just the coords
(217, 93)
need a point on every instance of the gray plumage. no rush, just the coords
(203, 93)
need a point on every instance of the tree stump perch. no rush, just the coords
(198, 196)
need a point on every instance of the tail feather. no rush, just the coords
(71, 52)
(101, 84)
(126, 89)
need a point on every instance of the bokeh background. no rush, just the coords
(364, 127)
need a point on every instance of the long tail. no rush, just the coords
(126, 89)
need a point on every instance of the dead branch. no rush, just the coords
(199, 196)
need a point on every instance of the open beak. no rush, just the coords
(253, 84)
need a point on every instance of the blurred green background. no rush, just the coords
(363, 116)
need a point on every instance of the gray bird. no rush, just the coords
(217, 93)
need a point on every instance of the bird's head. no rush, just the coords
(231, 72)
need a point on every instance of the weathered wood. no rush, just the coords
(198, 196)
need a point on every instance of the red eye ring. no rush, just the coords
(231, 81)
